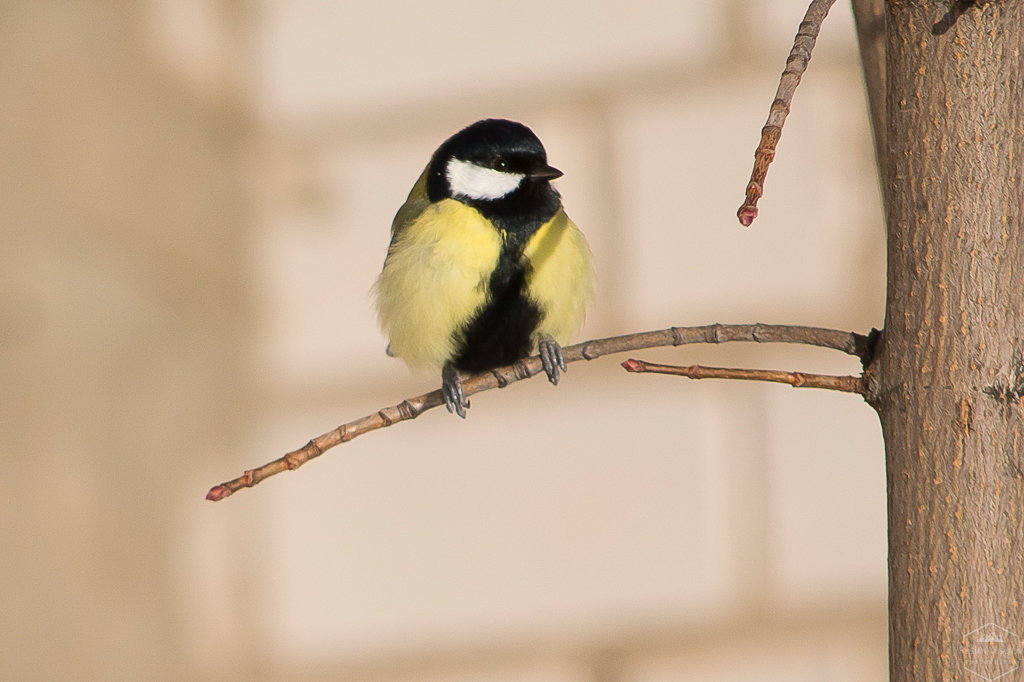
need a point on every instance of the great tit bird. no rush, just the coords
(484, 266)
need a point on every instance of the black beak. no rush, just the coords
(545, 172)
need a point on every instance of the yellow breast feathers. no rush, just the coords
(434, 280)
(561, 278)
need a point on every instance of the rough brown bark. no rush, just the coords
(949, 374)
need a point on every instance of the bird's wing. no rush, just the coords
(414, 205)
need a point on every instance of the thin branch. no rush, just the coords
(848, 384)
(796, 64)
(847, 342)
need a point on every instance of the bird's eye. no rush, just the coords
(500, 164)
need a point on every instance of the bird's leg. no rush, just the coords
(551, 357)
(451, 387)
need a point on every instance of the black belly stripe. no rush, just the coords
(502, 332)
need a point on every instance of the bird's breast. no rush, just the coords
(435, 279)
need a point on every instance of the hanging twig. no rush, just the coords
(796, 64)
(847, 342)
(848, 384)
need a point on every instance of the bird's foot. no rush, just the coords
(451, 387)
(551, 357)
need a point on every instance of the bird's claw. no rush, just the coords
(551, 357)
(451, 388)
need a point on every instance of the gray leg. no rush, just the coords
(551, 357)
(451, 386)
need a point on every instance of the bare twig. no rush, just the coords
(796, 64)
(847, 342)
(848, 384)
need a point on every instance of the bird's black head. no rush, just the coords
(487, 162)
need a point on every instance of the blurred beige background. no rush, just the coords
(196, 200)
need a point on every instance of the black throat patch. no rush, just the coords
(522, 212)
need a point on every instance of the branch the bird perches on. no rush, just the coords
(410, 408)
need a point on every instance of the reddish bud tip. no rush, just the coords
(217, 493)
(632, 365)
(746, 214)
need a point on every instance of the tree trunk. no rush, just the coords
(948, 378)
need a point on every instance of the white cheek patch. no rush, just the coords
(476, 182)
